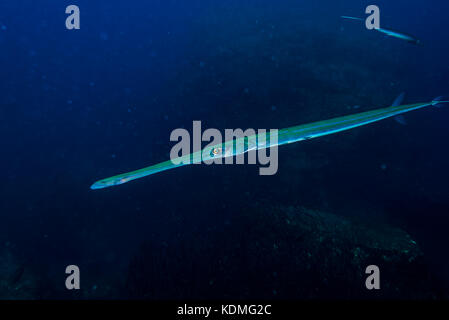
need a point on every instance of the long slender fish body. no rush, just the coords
(399, 35)
(255, 142)
(391, 33)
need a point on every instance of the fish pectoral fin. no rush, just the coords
(401, 120)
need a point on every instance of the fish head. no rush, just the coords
(110, 182)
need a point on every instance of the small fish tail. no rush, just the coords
(439, 101)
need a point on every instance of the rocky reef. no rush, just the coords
(16, 280)
(283, 253)
(280, 252)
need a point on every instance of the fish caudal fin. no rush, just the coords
(439, 101)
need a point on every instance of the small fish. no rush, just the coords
(285, 136)
(400, 35)
(391, 33)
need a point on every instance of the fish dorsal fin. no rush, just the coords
(398, 101)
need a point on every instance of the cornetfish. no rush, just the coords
(284, 136)
(391, 33)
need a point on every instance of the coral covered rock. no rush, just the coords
(16, 281)
(285, 253)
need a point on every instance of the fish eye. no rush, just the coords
(216, 151)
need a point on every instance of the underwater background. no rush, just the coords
(80, 105)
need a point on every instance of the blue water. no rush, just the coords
(80, 105)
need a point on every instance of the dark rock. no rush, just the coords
(285, 253)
